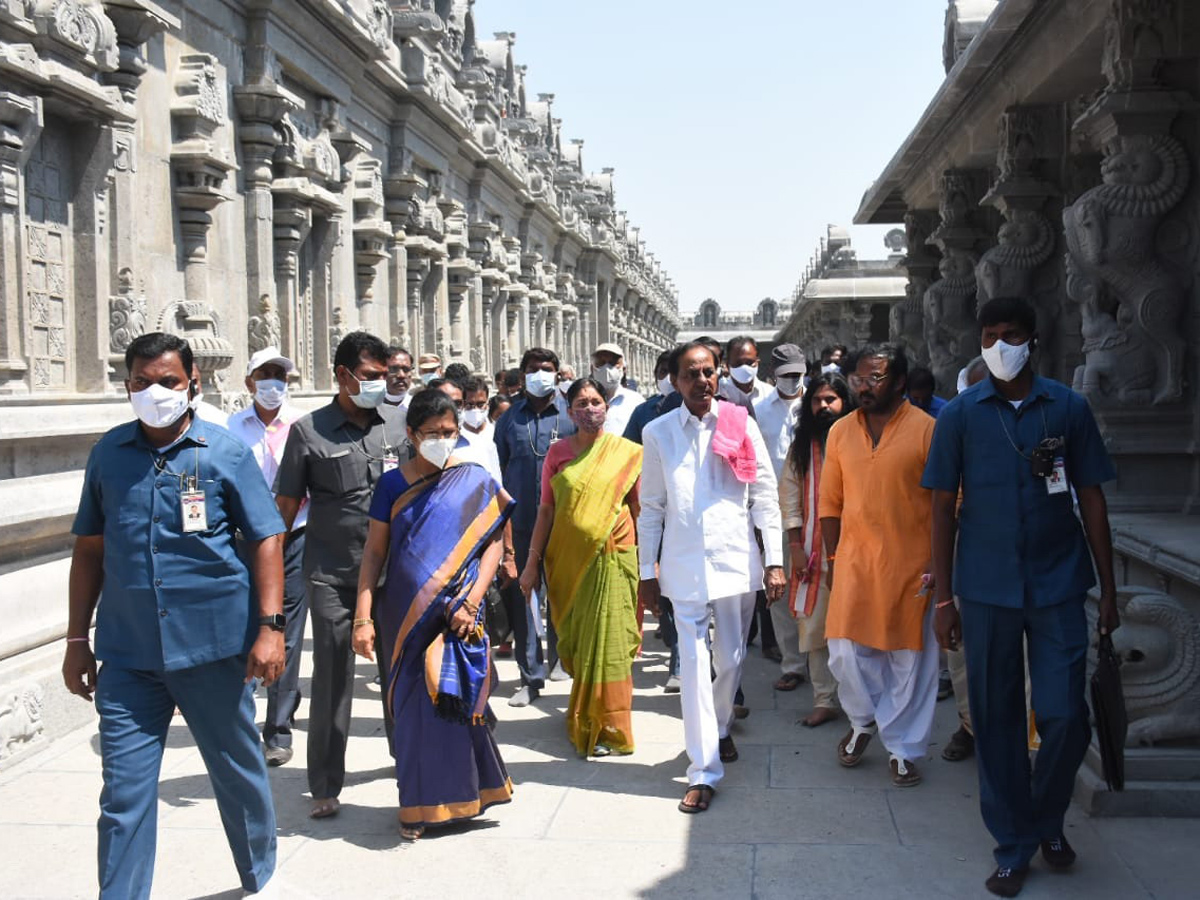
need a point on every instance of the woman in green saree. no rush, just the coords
(585, 537)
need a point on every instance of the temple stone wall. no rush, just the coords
(1059, 162)
(247, 174)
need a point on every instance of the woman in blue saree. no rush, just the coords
(437, 524)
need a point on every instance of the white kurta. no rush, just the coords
(620, 408)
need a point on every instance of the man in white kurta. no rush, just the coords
(694, 529)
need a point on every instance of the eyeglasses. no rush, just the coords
(399, 370)
(875, 379)
(437, 435)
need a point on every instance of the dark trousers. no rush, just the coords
(332, 608)
(136, 708)
(283, 697)
(762, 624)
(670, 635)
(527, 646)
(1023, 805)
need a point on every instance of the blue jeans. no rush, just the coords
(136, 708)
(1023, 805)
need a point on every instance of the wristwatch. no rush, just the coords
(276, 622)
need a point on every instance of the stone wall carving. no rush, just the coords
(126, 313)
(951, 335)
(265, 329)
(1111, 232)
(21, 719)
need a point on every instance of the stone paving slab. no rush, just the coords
(787, 821)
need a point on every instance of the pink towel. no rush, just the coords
(731, 443)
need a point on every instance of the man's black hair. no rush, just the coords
(154, 345)
(539, 355)
(395, 348)
(473, 385)
(458, 373)
(1008, 309)
(921, 377)
(513, 378)
(661, 363)
(357, 343)
(897, 359)
(736, 343)
(683, 349)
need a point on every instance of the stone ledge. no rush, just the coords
(27, 501)
(1169, 542)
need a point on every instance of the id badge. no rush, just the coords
(390, 462)
(1056, 481)
(195, 518)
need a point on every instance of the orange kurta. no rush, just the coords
(886, 522)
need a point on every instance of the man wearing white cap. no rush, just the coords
(608, 368)
(264, 426)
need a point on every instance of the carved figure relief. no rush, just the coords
(1025, 242)
(265, 329)
(21, 719)
(1111, 232)
(949, 316)
(337, 330)
(126, 314)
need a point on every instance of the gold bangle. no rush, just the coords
(474, 611)
(358, 622)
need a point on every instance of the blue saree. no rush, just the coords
(448, 766)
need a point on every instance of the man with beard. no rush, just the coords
(876, 520)
(827, 401)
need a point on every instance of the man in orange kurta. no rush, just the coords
(876, 521)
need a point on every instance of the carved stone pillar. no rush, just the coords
(290, 228)
(20, 126)
(950, 328)
(906, 319)
(372, 236)
(418, 271)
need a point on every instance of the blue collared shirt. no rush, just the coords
(523, 439)
(1015, 539)
(936, 405)
(649, 411)
(172, 600)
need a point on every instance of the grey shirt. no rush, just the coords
(337, 465)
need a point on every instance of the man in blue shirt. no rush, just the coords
(162, 500)
(523, 438)
(921, 387)
(1015, 445)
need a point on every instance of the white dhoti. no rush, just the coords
(895, 689)
(708, 702)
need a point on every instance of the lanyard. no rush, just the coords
(186, 482)
(534, 433)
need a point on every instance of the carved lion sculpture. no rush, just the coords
(21, 719)
(1159, 646)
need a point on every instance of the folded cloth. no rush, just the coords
(732, 443)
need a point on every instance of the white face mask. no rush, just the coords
(1005, 361)
(269, 393)
(665, 387)
(788, 385)
(609, 376)
(159, 406)
(540, 383)
(830, 367)
(474, 418)
(370, 393)
(437, 450)
(563, 387)
(744, 374)
(427, 377)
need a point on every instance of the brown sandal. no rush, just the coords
(706, 793)
(789, 681)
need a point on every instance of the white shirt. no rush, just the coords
(267, 442)
(620, 408)
(699, 514)
(776, 417)
(734, 394)
(480, 448)
(210, 413)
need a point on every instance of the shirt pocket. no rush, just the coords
(337, 475)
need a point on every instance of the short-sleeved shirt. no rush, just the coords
(523, 439)
(936, 405)
(337, 465)
(173, 599)
(1017, 541)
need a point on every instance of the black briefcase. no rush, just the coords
(1108, 706)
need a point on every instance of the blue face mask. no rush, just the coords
(370, 393)
(269, 393)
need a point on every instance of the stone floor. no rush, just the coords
(788, 821)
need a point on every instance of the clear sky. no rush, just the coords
(738, 130)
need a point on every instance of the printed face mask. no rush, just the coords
(590, 418)
(159, 406)
(744, 374)
(1005, 360)
(270, 392)
(437, 450)
(474, 418)
(539, 383)
(370, 393)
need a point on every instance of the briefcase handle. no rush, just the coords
(1104, 648)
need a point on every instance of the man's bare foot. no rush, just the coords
(819, 716)
(325, 808)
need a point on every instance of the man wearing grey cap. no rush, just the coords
(264, 427)
(777, 414)
(608, 368)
